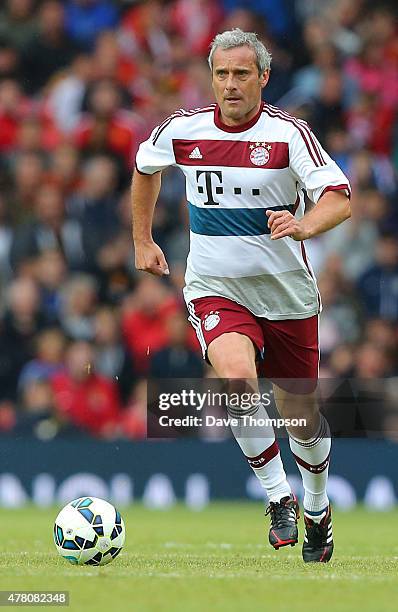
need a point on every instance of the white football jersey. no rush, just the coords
(233, 175)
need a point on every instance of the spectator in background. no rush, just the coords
(38, 133)
(307, 81)
(381, 333)
(10, 65)
(177, 359)
(277, 15)
(334, 20)
(18, 22)
(13, 108)
(79, 298)
(369, 213)
(369, 171)
(51, 50)
(340, 363)
(370, 126)
(48, 229)
(144, 320)
(47, 361)
(28, 174)
(378, 286)
(328, 108)
(22, 321)
(51, 273)
(339, 146)
(64, 170)
(112, 359)
(111, 61)
(114, 269)
(35, 413)
(197, 21)
(84, 398)
(341, 315)
(371, 361)
(107, 128)
(373, 71)
(95, 206)
(142, 30)
(23, 317)
(30, 135)
(196, 90)
(85, 19)
(35, 398)
(66, 95)
(134, 418)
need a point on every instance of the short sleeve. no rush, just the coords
(315, 170)
(156, 153)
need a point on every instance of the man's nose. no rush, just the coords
(230, 84)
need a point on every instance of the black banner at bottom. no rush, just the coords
(208, 408)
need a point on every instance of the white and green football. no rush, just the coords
(89, 531)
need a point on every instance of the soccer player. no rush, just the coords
(250, 290)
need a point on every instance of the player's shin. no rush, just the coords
(260, 448)
(312, 458)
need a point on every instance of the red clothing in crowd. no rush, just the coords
(92, 404)
(117, 135)
(134, 422)
(147, 332)
(197, 22)
(9, 125)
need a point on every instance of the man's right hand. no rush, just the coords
(149, 257)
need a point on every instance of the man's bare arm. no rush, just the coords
(332, 209)
(149, 256)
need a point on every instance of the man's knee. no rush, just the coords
(233, 356)
(294, 406)
(237, 369)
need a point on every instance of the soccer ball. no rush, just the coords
(89, 531)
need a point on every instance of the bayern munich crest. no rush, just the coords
(211, 320)
(259, 153)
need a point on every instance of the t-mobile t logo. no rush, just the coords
(208, 185)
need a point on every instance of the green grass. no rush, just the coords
(218, 559)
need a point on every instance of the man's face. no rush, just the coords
(236, 83)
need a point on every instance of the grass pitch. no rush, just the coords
(180, 560)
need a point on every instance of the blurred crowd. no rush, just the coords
(82, 83)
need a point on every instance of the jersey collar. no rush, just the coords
(236, 128)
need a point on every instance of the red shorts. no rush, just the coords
(288, 349)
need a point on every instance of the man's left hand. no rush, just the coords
(282, 223)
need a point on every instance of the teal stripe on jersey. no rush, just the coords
(216, 221)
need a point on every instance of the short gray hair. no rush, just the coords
(237, 38)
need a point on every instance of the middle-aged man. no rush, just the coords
(250, 291)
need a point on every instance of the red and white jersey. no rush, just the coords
(233, 175)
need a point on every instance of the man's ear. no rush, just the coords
(264, 78)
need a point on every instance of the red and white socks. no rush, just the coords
(312, 458)
(262, 453)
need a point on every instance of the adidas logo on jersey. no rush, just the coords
(195, 154)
